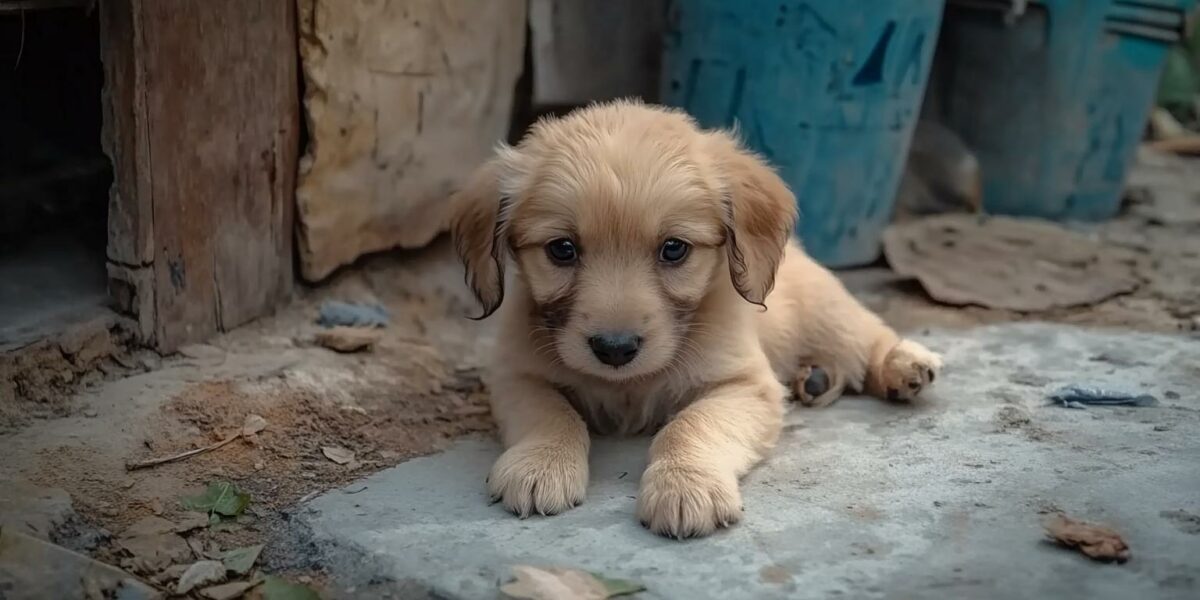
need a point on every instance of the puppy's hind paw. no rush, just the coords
(908, 369)
(816, 387)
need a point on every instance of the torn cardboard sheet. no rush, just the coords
(1000, 262)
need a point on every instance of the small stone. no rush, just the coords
(90, 413)
(349, 339)
(150, 361)
(259, 465)
(1162, 427)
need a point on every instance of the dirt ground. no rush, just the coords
(419, 388)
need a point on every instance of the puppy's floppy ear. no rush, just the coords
(760, 215)
(477, 227)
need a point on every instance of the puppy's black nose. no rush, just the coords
(615, 348)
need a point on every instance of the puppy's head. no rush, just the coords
(621, 218)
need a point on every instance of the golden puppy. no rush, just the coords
(645, 251)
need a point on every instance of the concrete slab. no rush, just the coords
(944, 498)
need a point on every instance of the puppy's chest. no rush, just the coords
(613, 410)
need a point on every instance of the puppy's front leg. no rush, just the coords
(545, 467)
(690, 487)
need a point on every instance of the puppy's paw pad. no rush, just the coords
(908, 369)
(681, 502)
(816, 387)
(539, 478)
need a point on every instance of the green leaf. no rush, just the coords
(619, 587)
(220, 498)
(241, 560)
(275, 588)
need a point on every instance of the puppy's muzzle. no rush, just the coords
(615, 348)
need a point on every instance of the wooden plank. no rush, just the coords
(130, 249)
(204, 134)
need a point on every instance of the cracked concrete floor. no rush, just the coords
(943, 498)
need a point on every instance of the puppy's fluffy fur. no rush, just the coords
(617, 181)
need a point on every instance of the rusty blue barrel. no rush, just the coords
(828, 91)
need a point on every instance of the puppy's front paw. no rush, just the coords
(683, 501)
(539, 477)
(908, 369)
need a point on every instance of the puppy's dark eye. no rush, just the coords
(673, 251)
(562, 251)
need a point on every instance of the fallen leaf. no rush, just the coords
(275, 588)
(153, 545)
(170, 574)
(200, 574)
(220, 498)
(348, 339)
(253, 424)
(241, 560)
(554, 583)
(197, 547)
(227, 591)
(337, 454)
(1096, 542)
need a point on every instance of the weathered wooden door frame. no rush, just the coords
(201, 121)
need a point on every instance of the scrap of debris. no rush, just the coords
(1094, 541)
(1024, 265)
(1081, 396)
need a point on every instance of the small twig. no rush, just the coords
(21, 48)
(352, 492)
(154, 462)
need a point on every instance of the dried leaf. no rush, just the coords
(220, 498)
(200, 574)
(253, 424)
(227, 591)
(1096, 542)
(338, 454)
(241, 560)
(191, 522)
(275, 588)
(554, 583)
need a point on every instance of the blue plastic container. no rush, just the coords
(1054, 103)
(827, 90)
